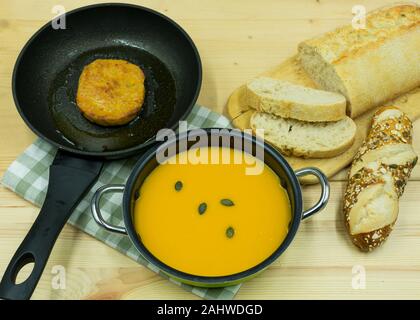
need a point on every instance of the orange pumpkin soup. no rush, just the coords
(212, 219)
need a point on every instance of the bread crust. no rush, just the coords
(369, 66)
(299, 151)
(302, 153)
(381, 26)
(312, 112)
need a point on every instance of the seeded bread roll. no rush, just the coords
(371, 65)
(377, 178)
(288, 100)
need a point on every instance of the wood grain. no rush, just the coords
(237, 39)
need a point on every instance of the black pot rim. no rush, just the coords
(116, 153)
(213, 280)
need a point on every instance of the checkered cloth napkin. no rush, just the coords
(28, 177)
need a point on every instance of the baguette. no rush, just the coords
(305, 139)
(368, 66)
(287, 100)
(377, 178)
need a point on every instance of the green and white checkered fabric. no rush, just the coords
(28, 177)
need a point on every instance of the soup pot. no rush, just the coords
(219, 138)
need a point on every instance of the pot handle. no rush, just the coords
(96, 211)
(325, 190)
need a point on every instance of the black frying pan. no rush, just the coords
(44, 86)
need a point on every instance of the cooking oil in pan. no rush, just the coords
(155, 113)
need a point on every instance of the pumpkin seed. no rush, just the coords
(202, 208)
(230, 232)
(227, 202)
(178, 185)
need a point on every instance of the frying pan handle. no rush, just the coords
(325, 190)
(70, 178)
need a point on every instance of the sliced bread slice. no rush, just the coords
(289, 100)
(306, 139)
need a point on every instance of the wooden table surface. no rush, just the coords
(237, 40)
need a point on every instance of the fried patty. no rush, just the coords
(110, 92)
